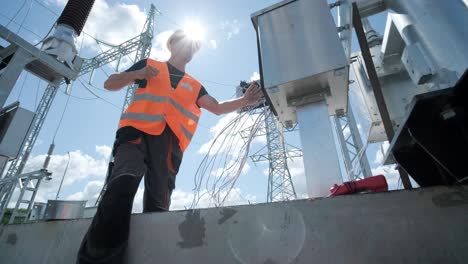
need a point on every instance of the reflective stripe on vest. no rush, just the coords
(186, 132)
(143, 117)
(161, 99)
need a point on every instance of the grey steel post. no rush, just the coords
(352, 147)
(376, 87)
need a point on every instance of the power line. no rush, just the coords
(97, 96)
(98, 41)
(61, 118)
(24, 18)
(37, 93)
(27, 29)
(17, 12)
(22, 85)
(46, 7)
(57, 14)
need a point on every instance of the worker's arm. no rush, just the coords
(251, 97)
(116, 81)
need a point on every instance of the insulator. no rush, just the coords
(75, 14)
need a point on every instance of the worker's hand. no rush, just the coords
(147, 73)
(253, 94)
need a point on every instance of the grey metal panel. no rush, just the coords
(321, 164)
(299, 40)
(301, 55)
(38, 211)
(345, 21)
(89, 212)
(440, 27)
(60, 209)
(55, 67)
(16, 132)
(12, 72)
(420, 226)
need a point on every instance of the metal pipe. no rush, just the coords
(63, 177)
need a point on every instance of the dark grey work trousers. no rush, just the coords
(135, 154)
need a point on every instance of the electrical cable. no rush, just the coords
(22, 85)
(27, 29)
(47, 8)
(432, 155)
(37, 93)
(61, 118)
(24, 18)
(225, 159)
(17, 12)
(97, 96)
(47, 34)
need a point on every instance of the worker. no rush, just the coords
(153, 134)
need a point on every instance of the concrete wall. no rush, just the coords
(422, 226)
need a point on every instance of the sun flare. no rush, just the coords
(194, 30)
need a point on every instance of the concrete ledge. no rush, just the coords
(422, 226)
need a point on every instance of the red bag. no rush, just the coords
(373, 184)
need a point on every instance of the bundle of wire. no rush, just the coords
(226, 157)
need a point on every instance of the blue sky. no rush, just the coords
(229, 55)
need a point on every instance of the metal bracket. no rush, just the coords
(335, 4)
(307, 99)
(343, 28)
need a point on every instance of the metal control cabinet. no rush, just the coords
(302, 57)
(14, 125)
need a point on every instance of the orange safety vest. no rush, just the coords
(158, 104)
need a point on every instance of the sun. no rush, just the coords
(194, 30)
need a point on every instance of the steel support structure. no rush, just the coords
(143, 50)
(354, 153)
(280, 184)
(17, 165)
(376, 86)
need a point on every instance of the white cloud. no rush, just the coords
(233, 135)
(230, 28)
(104, 151)
(111, 23)
(114, 23)
(379, 157)
(39, 142)
(90, 193)
(393, 177)
(390, 174)
(182, 200)
(213, 44)
(296, 168)
(159, 50)
(255, 76)
(81, 167)
(230, 170)
(57, 2)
